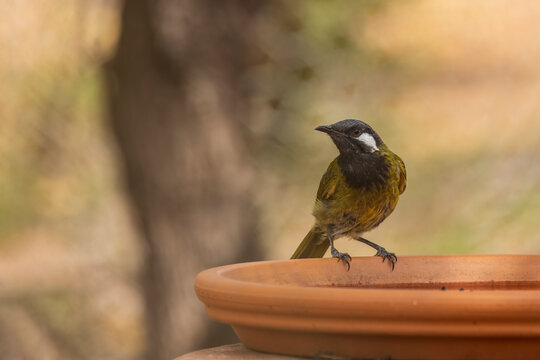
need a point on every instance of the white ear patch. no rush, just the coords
(369, 141)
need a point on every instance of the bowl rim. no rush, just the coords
(390, 311)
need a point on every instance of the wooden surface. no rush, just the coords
(230, 352)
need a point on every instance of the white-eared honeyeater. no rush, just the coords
(357, 192)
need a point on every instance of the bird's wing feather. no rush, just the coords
(327, 187)
(402, 175)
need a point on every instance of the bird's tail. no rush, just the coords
(314, 245)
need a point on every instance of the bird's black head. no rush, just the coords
(353, 137)
(361, 153)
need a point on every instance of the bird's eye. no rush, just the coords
(357, 132)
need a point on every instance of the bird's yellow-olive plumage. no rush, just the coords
(357, 192)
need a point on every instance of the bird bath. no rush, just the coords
(429, 307)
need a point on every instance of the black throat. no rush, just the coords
(363, 170)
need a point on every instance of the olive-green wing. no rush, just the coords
(402, 175)
(328, 184)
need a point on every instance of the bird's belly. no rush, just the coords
(354, 215)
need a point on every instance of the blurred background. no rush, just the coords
(143, 141)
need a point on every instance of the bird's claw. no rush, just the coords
(392, 258)
(346, 258)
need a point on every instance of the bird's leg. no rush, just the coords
(382, 252)
(339, 255)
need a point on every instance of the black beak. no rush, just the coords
(329, 130)
(325, 129)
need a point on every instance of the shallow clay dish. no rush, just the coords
(429, 307)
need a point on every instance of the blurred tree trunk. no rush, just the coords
(179, 97)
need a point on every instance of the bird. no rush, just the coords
(360, 189)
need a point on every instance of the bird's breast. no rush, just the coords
(357, 197)
(355, 211)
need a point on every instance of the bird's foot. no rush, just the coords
(346, 258)
(382, 252)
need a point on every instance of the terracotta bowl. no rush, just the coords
(430, 307)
